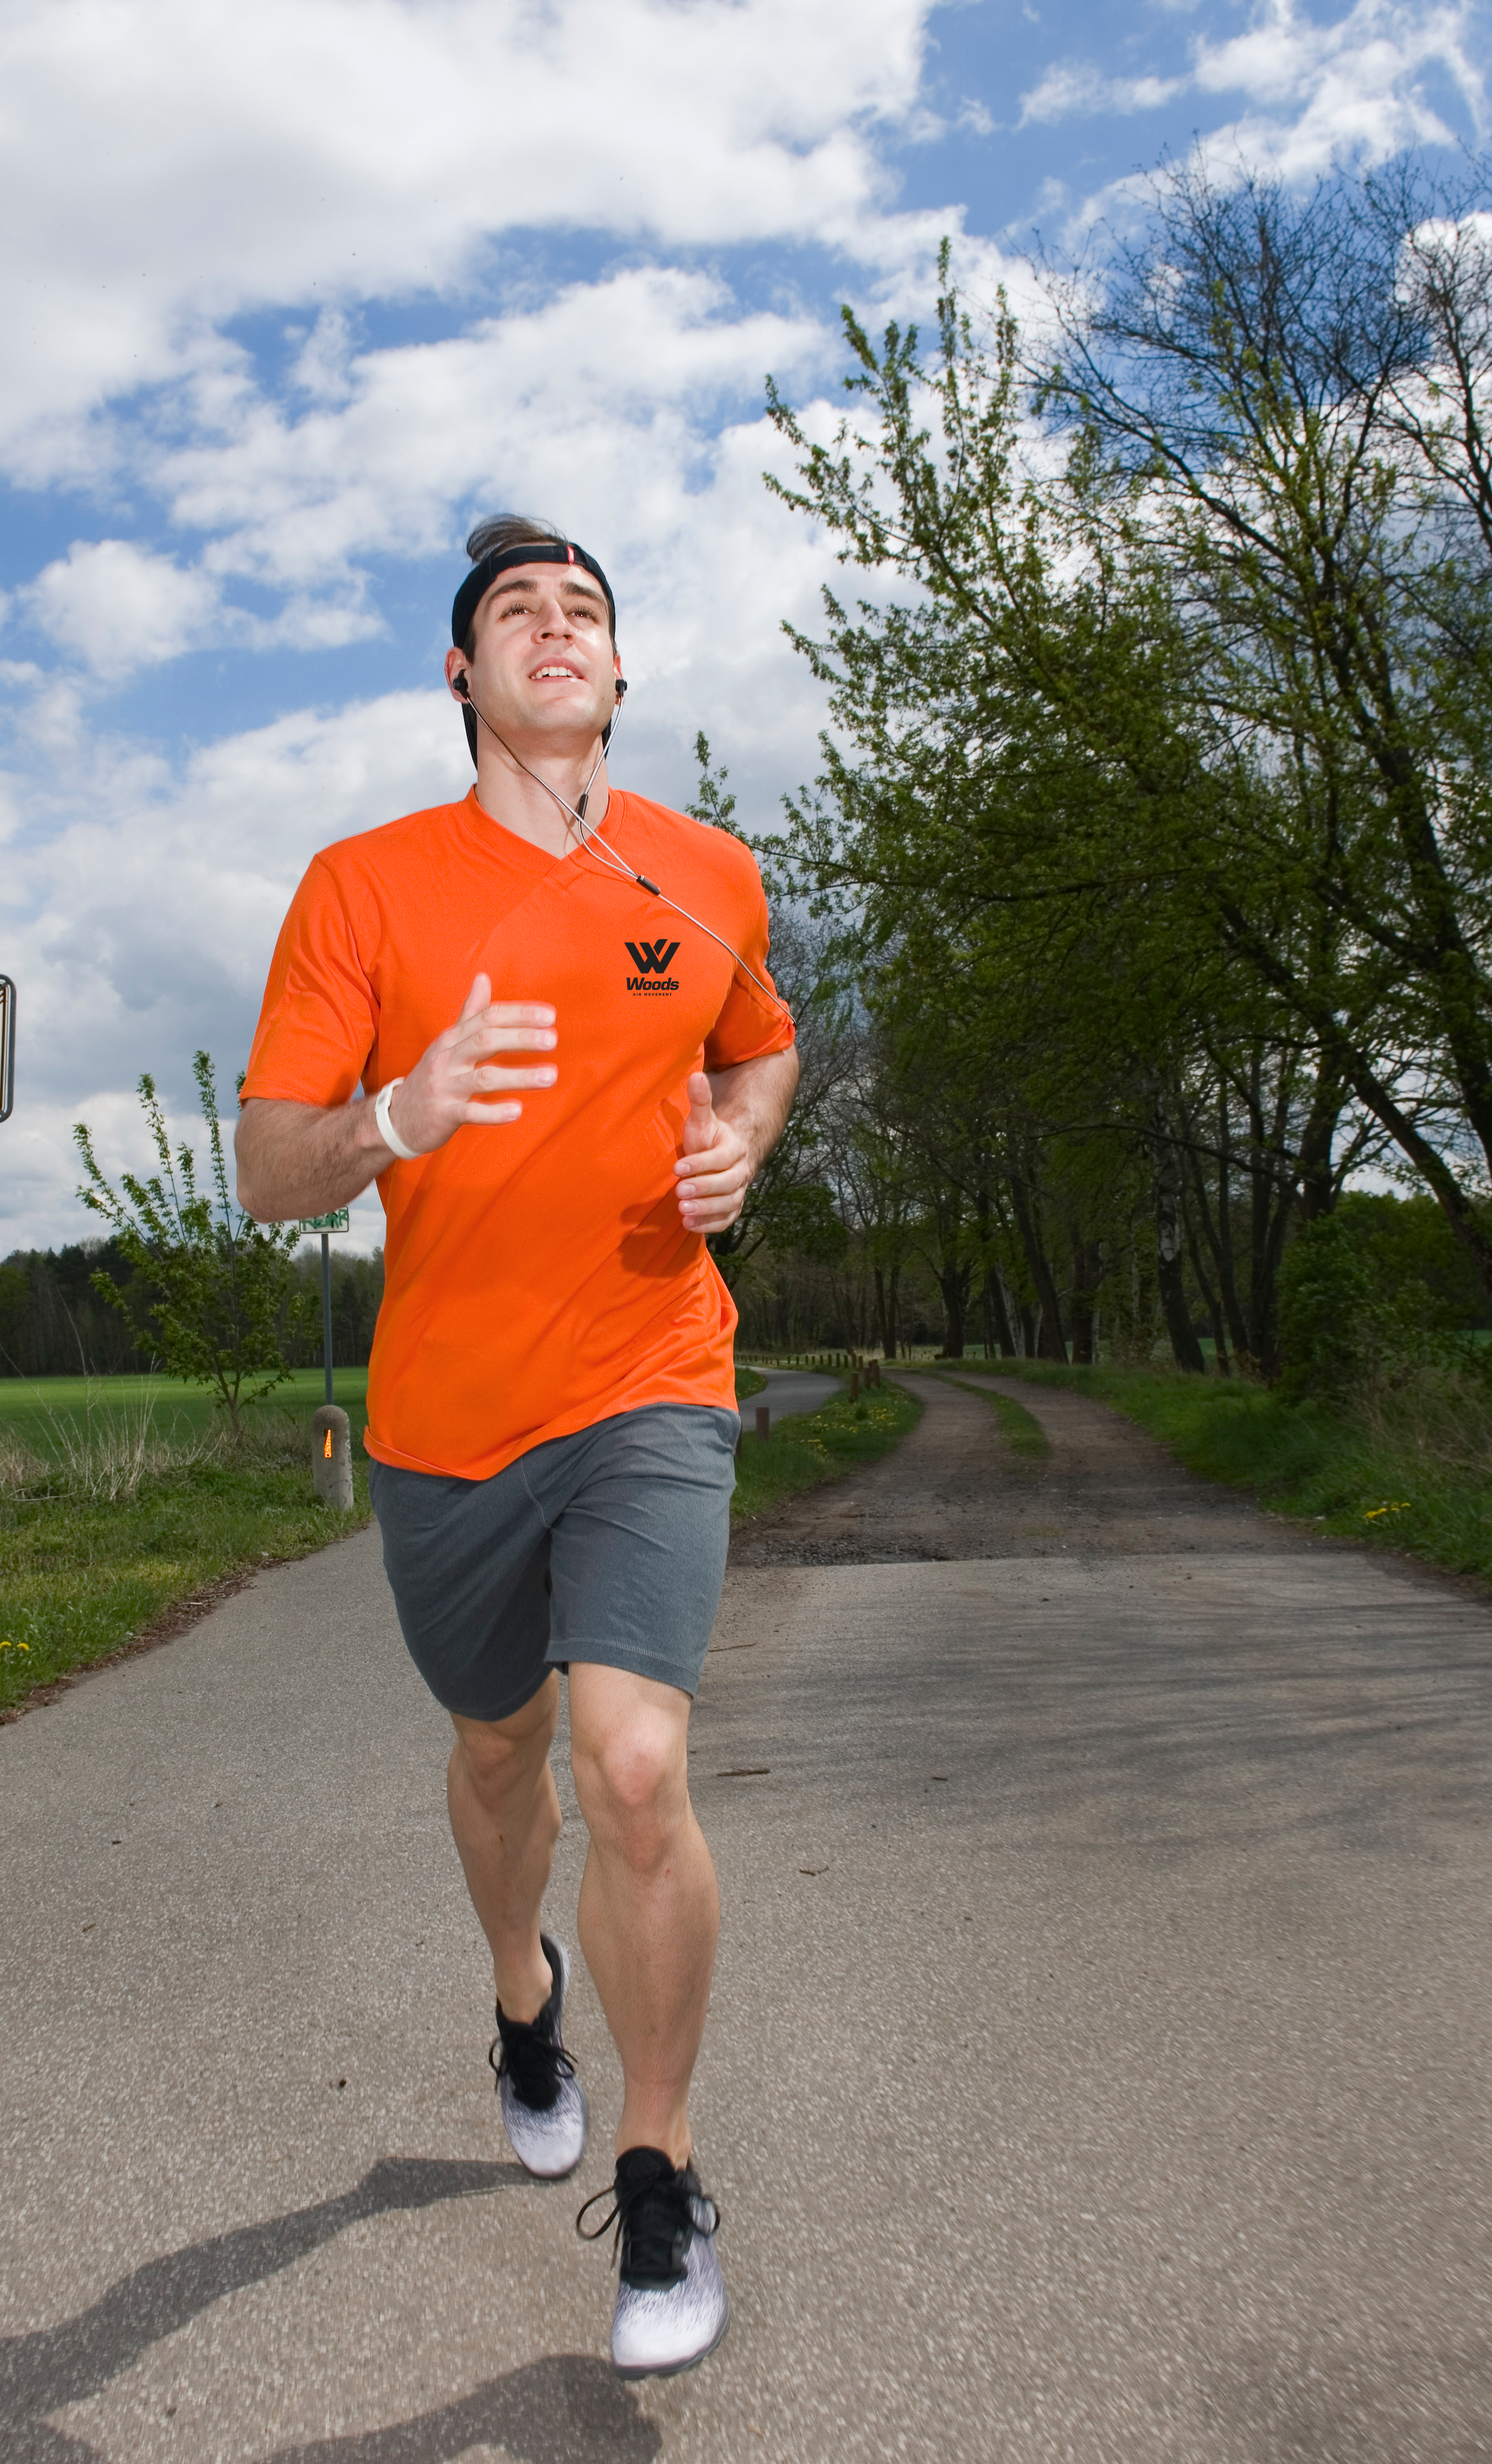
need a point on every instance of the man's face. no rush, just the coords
(542, 666)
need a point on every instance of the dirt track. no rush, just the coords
(954, 1489)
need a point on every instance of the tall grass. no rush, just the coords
(103, 1454)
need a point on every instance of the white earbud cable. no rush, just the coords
(590, 838)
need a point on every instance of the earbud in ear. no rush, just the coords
(620, 687)
(458, 685)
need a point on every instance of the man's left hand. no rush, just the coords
(714, 1170)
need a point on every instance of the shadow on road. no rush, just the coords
(548, 2412)
(539, 2412)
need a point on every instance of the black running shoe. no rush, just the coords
(544, 2111)
(672, 2308)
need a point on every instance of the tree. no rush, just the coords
(788, 1202)
(1182, 740)
(1296, 390)
(1008, 820)
(219, 1287)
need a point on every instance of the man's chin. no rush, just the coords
(553, 735)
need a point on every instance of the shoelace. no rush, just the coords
(538, 2065)
(656, 2217)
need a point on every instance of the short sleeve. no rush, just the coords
(320, 1017)
(750, 1024)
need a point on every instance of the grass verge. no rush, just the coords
(122, 1501)
(1354, 1478)
(80, 1577)
(748, 1381)
(1020, 1429)
(821, 1445)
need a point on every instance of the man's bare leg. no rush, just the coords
(505, 1820)
(649, 1908)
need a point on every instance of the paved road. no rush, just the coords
(1098, 2062)
(789, 1391)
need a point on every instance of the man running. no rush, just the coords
(555, 996)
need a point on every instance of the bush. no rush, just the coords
(213, 1290)
(1371, 1297)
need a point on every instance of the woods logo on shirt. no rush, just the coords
(653, 960)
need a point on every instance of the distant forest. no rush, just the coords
(53, 1323)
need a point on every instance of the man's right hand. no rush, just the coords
(307, 1159)
(447, 1088)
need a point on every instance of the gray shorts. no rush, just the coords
(606, 1546)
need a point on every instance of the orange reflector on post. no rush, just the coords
(327, 1447)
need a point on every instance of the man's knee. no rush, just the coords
(632, 1784)
(496, 1755)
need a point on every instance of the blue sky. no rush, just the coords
(295, 292)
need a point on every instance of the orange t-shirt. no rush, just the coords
(537, 1274)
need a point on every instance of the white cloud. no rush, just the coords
(1351, 88)
(601, 407)
(116, 607)
(1076, 89)
(582, 398)
(1356, 90)
(219, 159)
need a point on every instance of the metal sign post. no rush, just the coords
(326, 1226)
(7, 1048)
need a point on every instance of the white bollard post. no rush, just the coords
(331, 1457)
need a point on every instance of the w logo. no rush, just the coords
(653, 958)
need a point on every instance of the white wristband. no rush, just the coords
(386, 1128)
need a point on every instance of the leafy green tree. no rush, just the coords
(1183, 743)
(713, 804)
(220, 1289)
(1003, 820)
(1295, 389)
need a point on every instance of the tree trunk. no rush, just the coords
(1169, 1247)
(1318, 1188)
(1238, 1327)
(953, 1285)
(1217, 1232)
(1050, 1345)
(1211, 1303)
(1088, 1270)
(998, 1334)
(885, 1296)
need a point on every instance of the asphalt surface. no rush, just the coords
(788, 1393)
(1098, 2058)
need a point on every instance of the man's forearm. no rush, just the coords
(755, 1098)
(299, 1159)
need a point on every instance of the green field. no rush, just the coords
(122, 1497)
(37, 1413)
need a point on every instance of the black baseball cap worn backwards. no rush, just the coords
(501, 560)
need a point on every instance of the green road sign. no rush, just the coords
(336, 1221)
